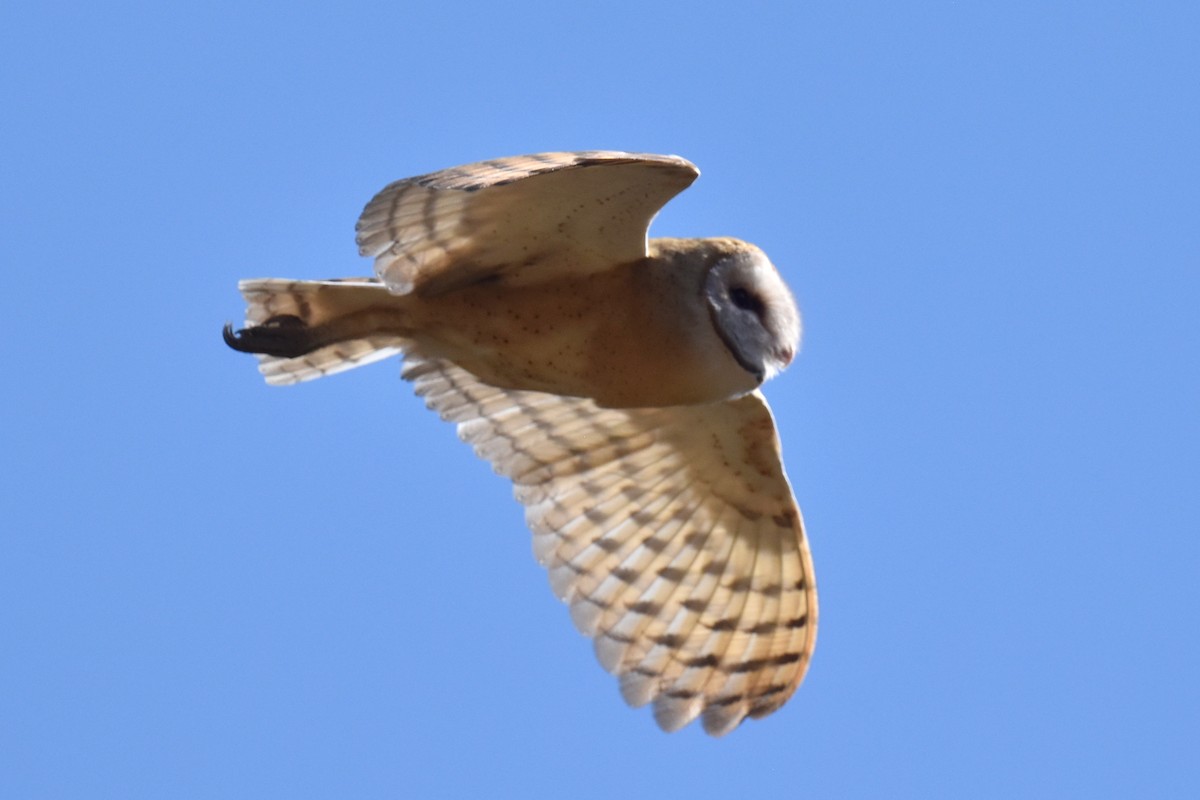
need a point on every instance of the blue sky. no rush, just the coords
(988, 212)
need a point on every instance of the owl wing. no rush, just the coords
(519, 219)
(671, 533)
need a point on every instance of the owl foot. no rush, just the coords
(285, 336)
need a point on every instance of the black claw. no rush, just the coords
(285, 336)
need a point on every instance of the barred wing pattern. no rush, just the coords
(520, 219)
(671, 533)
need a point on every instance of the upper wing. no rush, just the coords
(518, 219)
(672, 534)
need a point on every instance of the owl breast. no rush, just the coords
(639, 335)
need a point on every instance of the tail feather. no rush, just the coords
(313, 303)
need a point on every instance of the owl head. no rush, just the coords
(751, 308)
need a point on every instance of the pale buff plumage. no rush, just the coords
(614, 380)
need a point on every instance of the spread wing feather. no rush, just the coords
(519, 219)
(672, 534)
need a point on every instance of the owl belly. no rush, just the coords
(612, 337)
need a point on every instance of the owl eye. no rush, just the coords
(746, 301)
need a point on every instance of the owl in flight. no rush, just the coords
(614, 379)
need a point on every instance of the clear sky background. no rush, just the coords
(990, 215)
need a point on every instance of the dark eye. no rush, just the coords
(746, 301)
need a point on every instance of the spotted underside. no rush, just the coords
(672, 535)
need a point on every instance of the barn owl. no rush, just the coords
(614, 379)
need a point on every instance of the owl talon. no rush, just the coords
(284, 336)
